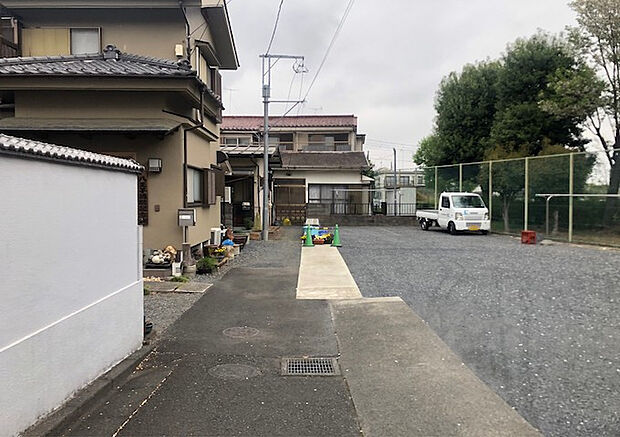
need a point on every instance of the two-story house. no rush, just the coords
(316, 161)
(127, 78)
(401, 190)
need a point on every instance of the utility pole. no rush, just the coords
(266, 100)
(395, 183)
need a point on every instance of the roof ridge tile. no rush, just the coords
(94, 64)
(25, 147)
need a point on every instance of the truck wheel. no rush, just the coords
(452, 228)
(424, 224)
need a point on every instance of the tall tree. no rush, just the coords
(465, 106)
(496, 110)
(597, 41)
(520, 122)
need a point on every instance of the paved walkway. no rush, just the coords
(405, 381)
(207, 379)
(323, 274)
(217, 371)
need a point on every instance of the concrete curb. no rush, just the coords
(85, 398)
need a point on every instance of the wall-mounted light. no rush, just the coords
(154, 165)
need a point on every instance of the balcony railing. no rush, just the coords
(336, 146)
(401, 184)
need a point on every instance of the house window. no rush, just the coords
(85, 40)
(389, 181)
(327, 193)
(404, 181)
(420, 179)
(285, 141)
(53, 41)
(236, 141)
(328, 143)
(195, 186)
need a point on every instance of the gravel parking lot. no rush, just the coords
(539, 324)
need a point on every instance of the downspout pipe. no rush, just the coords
(187, 252)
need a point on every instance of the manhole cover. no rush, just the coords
(241, 332)
(310, 366)
(234, 371)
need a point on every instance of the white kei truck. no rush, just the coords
(457, 212)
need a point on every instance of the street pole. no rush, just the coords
(395, 181)
(571, 183)
(298, 67)
(266, 95)
(527, 195)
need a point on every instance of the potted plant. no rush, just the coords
(219, 253)
(206, 265)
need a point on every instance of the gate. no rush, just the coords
(290, 200)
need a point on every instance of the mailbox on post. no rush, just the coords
(187, 217)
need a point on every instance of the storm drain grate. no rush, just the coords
(310, 367)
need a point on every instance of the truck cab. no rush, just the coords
(458, 212)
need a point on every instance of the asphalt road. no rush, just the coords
(210, 375)
(539, 324)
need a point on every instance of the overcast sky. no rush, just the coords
(386, 63)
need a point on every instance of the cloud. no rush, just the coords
(388, 60)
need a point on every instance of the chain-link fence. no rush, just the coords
(562, 197)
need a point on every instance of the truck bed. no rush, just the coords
(429, 214)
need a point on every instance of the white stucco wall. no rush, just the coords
(71, 282)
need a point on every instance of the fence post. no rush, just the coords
(570, 198)
(491, 191)
(461, 177)
(435, 187)
(527, 194)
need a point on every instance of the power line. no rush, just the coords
(290, 89)
(385, 146)
(374, 140)
(275, 27)
(331, 44)
(316, 75)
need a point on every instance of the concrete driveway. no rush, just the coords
(539, 324)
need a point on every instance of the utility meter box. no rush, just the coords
(187, 217)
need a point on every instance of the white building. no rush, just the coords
(406, 184)
(72, 292)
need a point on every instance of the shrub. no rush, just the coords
(179, 279)
(206, 265)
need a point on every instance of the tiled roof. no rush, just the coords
(326, 160)
(37, 149)
(255, 123)
(110, 63)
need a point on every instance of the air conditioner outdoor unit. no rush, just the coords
(216, 236)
